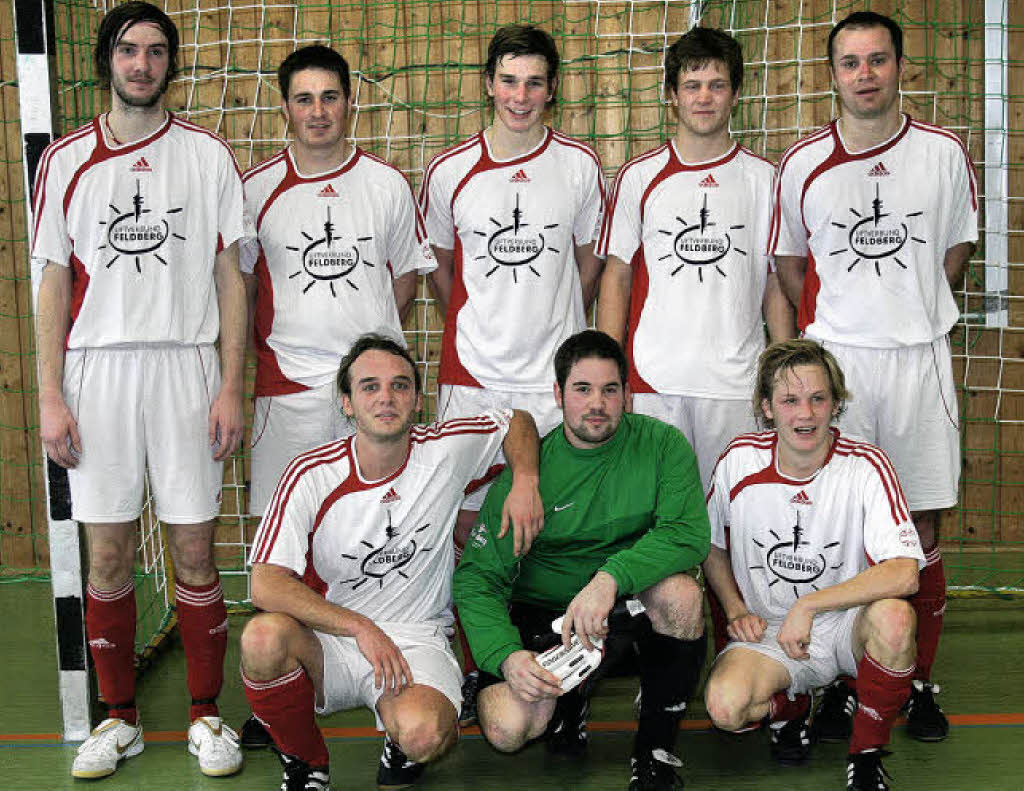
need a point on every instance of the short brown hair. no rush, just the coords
(374, 342)
(787, 355)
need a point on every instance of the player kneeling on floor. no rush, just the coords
(352, 567)
(813, 551)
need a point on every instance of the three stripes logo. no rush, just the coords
(141, 166)
(519, 177)
(801, 498)
(708, 181)
(327, 192)
(878, 171)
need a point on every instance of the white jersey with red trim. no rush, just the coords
(381, 548)
(140, 225)
(696, 237)
(513, 224)
(787, 537)
(326, 249)
(874, 227)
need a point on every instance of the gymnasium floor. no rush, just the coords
(981, 668)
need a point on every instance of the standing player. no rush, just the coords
(337, 248)
(366, 523)
(137, 215)
(687, 280)
(875, 218)
(813, 550)
(513, 214)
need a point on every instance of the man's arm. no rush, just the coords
(590, 267)
(226, 419)
(523, 508)
(779, 315)
(440, 280)
(743, 625)
(613, 309)
(277, 589)
(791, 270)
(251, 288)
(895, 578)
(405, 293)
(955, 261)
(57, 427)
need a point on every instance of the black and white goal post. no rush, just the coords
(34, 35)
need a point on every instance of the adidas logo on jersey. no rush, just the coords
(878, 171)
(801, 498)
(708, 181)
(519, 177)
(391, 497)
(141, 166)
(327, 192)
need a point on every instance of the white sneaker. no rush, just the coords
(216, 747)
(112, 741)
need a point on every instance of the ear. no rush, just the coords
(552, 87)
(346, 406)
(558, 396)
(284, 110)
(489, 85)
(766, 409)
(672, 95)
(419, 402)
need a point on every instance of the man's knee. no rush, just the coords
(674, 606)
(727, 702)
(889, 629)
(425, 735)
(192, 550)
(508, 727)
(265, 645)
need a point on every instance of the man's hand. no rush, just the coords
(59, 432)
(225, 425)
(390, 670)
(746, 628)
(528, 679)
(587, 614)
(795, 634)
(524, 511)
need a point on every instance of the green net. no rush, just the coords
(418, 89)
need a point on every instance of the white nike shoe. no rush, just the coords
(216, 747)
(112, 741)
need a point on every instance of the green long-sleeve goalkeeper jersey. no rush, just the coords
(633, 507)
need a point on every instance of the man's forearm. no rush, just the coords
(232, 304)
(276, 589)
(522, 446)
(53, 317)
(891, 579)
(613, 303)
(718, 570)
(791, 270)
(440, 280)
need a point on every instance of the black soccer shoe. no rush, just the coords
(299, 776)
(254, 736)
(654, 771)
(791, 743)
(470, 689)
(926, 722)
(864, 772)
(833, 721)
(395, 769)
(566, 734)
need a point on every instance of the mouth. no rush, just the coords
(805, 430)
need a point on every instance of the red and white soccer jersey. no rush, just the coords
(696, 237)
(381, 548)
(874, 227)
(328, 246)
(512, 223)
(788, 537)
(139, 230)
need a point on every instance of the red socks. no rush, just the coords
(203, 622)
(285, 705)
(782, 709)
(881, 692)
(110, 626)
(929, 605)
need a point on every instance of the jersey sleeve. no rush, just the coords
(680, 537)
(889, 531)
(592, 206)
(622, 231)
(436, 204)
(50, 238)
(283, 535)
(963, 225)
(477, 440)
(249, 247)
(408, 249)
(230, 223)
(787, 236)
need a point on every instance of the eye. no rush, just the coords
(401, 385)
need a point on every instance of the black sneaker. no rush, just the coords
(254, 735)
(791, 742)
(470, 689)
(926, 722)
(300, 776)
(864, 772)
(833, 721)
(396, 770)
(654, 771)
(567, 732)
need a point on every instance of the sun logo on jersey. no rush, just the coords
(794, 561)
(330, 257)
(877, 235)
(701, 244)
(515, 245)
(134, 234)
(390, 557)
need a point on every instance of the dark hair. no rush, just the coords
(314, 56)
(698, 48)
(373, 342)
(862, 19)
(585, 345)
(522, 40)
(117, 21)
(787, 355)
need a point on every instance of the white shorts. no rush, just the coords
(460, 401)
(831, 651)
(708, 423)
(139, 407)
(285, 426)
(904, 401)
(348, 676)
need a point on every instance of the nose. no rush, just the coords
(521, 92)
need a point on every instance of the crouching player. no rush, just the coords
(813, 549)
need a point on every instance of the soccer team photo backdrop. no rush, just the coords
(418, 89)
